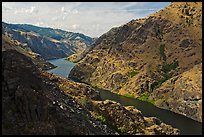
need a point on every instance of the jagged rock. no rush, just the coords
(182, 94)
(36, 105)
(131, 120)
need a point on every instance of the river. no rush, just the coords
(186, 125)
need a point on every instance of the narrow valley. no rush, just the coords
(117, 68)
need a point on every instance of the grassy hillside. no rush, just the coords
(138, 57)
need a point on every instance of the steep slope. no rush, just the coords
(136, 58)
(77, 57)
(31, 104)
(37, 102)
(49, 43)
(182, 94)
(124, 120)
(8, 43)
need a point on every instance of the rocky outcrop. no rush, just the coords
(8, 43)
(182, 94)
(123, 120)
(130, 121)
(136, 58)
(49, 43)
(31, 104)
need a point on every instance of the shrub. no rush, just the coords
(133, 73)
(129, 95)
(145, 97)
(158, 31)
(162, 54)
(102, 119)
(122, 129)
(168, 67)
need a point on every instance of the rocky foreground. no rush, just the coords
(37, 102)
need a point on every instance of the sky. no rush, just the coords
(90, 18)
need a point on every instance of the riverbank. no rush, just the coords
(124, 120)
(176, 120)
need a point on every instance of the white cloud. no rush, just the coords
(32, 9)
(75, 11)
(75, 26)
(39, 24)
(5, 8)
(90, 18)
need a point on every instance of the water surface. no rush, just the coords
(63, 67)
(186, 125)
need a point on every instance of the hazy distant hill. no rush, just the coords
(49, 43)
(10, 44)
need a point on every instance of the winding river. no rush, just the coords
(186, 125)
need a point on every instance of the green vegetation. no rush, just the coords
(70, 95)
(102, 119)
(132, 73)
(129, 95)
(122, 129)
(145, 97)
(168, 67)
(158, 32)
(162, 54)
(110, 123)
(138, 130)
(160, 82)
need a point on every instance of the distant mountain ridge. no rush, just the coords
(8, 43)
(48, 42)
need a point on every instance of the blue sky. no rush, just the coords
(90, 18)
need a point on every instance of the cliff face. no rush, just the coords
(8, 43)
(37, 102)
(31, 104)
(182, 94)
(49, 43)
(136, 58)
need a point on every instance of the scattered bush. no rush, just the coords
(122, 129)
(102, 119)
(145, 97)
(133, 73)
(168, 67)
(128, 95)
(158, 31)
(162, 54)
